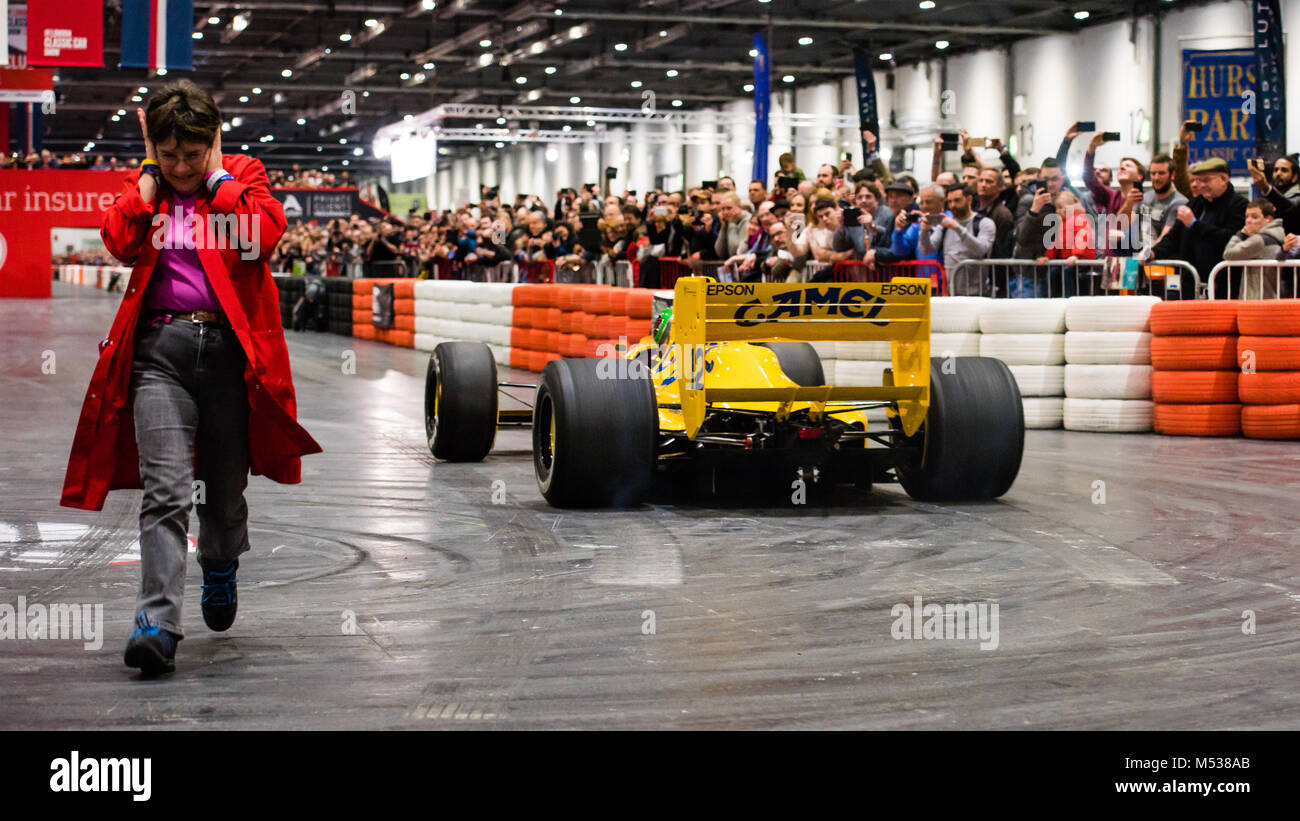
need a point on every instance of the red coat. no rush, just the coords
(104, 455)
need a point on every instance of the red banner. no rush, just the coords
(32, 203)
(65, 33)
(26, 85)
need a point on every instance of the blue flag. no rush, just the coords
(158, 34)
(762, 105)
(1270, 104)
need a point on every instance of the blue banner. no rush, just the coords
(1270, 125)
(868, 114)
(1219, 91)
(762, 106)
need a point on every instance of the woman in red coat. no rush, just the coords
(192, 388)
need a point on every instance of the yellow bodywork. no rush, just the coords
(703, 366)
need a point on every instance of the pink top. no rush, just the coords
(178, 282)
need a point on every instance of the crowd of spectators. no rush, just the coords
(796, 227)
(48, 159)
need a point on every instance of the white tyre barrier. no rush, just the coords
(1043, 412)
(1109, 313)
(1108, 415)
(1024, 316)
(957, 344)
(1024, 349)
(1108, 381)
(877, 351)
(1040, 380)
(957, 314)
(1108, 348)
(858, 373)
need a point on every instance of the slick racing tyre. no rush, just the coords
(971, 443)
(460, 401)
(595, 422)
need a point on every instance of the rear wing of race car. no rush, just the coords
(705, 311)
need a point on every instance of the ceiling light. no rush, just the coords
(288, 72)
(371, 23)
(501, 120)
(672, 72)
(142, 90)
(537, 48)
(427, 5)
(214, 21)
(500, 145)
(345, 37)
(789, 78)
(663, 33)
(620, 46)
(550, 69)
(559, 12)
(244, 98)
(236, 122)
(749, 87)
(552, 155)
(485, 43)
(116, 118)
(753, 52)
(805, 41)
(428, 66)
(926, 5)
(636, 84)
(575, 100)
(886, 56)
(478, 125)
(347, 162)
(162, 72)
(405, 75)
(365, 94)
(279, 97)
(677, 103)
(357, 152)
(198, 35)
(576, 32)
(121, 112)
(1081, 15)
(240, 22)
(244, 147)
(485, 59)
(257, 89)
(590, 123)
(137, 99)
(941, 44)
(329, 51)
(302, 121)
(568, 128)
(225, 126)
(521, 79)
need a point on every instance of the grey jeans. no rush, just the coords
(191, 428)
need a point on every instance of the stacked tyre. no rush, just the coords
(1029, 336)
(1108, 364)
(461, 310)
(1194, 385)
(1268, 352)
(291, 290)
(338, 302)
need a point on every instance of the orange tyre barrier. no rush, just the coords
(1269, 387)
(1197, 420)
(1271, 421)
(1271, 317)
(1269, 353)
(1193, 318)
(1194, 353)
(1194, 387)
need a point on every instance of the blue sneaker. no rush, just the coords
(151, 648)
(220, 599)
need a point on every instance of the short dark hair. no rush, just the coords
(760, 182)
(864, 175)
(1163, 159)
(967, 190)
(823, 203)
(182, 110)
(1051, 162)
(1265, 207)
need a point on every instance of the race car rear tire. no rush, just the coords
(973, 437)
(595, 425)
(799, 361)
(460, 401)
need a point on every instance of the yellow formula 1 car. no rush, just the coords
(728, 379)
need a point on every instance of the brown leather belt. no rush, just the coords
(204, 317)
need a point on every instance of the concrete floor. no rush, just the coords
(1126, 614)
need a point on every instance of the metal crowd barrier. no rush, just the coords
(813, 268)
(390, 269)
(1252, 280)
(536, 272)
(1163, 278)
(859, 271)
(1023, 278)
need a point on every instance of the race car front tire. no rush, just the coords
(595, 425)
(970, 446)
(460, 401)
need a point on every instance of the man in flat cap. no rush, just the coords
(1201, 229)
